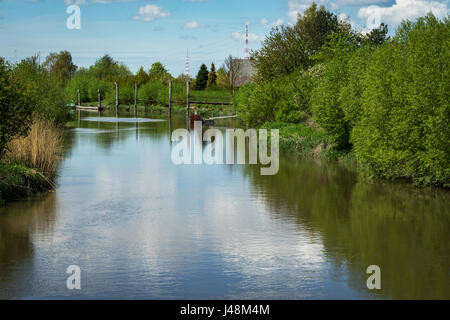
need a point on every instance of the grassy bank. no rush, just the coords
(30, 164)
(308, 140)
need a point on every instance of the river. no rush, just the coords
(140, 227)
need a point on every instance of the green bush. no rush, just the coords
(156, 92)
(284, 99)
(126, 96)
(151, 92)
(16, 108)
(404, 128)
(42, 89)
(88, 86)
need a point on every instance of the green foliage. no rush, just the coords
(155, 92)
(300, 138)
(60, 66)
(158, 72)
(337, 98)
(111, 71)
(404, 128)
(17, 181)
(288, 48)
(201, 81)
(42, 89)
(223, 81)
(141, 77)
(284, 99)
(211, 95)
(212, 77)
(126, 96)
(15, 107)
(326, 102)
(88, 86)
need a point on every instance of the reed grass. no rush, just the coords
(39, 150)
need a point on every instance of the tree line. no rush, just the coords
(386, 99)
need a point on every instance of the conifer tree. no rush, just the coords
(212, 77)
(202, 78)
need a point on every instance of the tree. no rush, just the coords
(403, 131)
(288, 47)
(158, 72)
(106, 68)
(141, 77)
(212, 77)
(223, 81)
(60, 65)
(378, 35)
(202, 78)
(16, 107)
(42, 89)
(233, 67)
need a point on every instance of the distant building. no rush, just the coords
(246, 72)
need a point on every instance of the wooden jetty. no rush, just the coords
(89, 108)
(207, 122)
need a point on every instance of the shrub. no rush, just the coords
(15, 107)
(42, 89)
(404, 128)
(88, 86)
(285, 99)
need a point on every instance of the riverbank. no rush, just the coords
(309, 140)
(30, 164)
(18, 182)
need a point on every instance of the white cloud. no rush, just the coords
(404, 9)
(193, 25)
(251, 37)
(151, 12)
(85, 2)
(75, 2)
(276, 23)
(298, 6)
(294, 8)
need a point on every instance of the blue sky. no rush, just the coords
(139, 32)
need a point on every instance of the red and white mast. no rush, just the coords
(247, 51)
(187, 63)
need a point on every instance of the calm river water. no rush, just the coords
(139, 226)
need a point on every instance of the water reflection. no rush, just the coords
(21, 224)
(141, 227)
(403, 230)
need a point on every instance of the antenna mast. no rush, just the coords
(187, 63)
(247, 51)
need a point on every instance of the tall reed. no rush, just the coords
(40, 149)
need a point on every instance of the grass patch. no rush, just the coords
(306, 140)
(211, 95)
(18, 182)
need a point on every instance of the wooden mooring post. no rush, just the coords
(99, 99)
(79, 97)
(117, 99)
(188, 102)
(170, 99)
(188, 96)
(135, 99)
